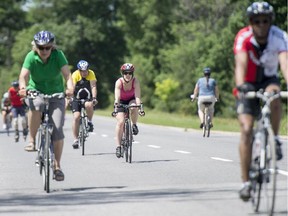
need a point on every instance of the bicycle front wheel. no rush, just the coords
(82, 136)
(256, 184)
(47, 157)
(127, 141)
(270, 172)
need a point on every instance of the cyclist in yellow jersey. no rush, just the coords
(83, 78)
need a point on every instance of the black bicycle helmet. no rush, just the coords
(207, 71)
(15, 83)
(260, 8)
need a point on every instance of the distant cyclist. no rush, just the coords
(207, 89)
(18, 109)
(85, 80)
(258, 50)
(127, 91)
(5, 109)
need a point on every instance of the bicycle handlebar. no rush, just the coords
(33, 93)
(141, 111)
(266, 95)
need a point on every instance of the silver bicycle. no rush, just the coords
(263, 168)
(45, 151)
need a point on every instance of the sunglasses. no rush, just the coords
(129, 73)
(259, 21)
(44, 48)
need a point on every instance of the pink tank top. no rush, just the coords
(127, 95)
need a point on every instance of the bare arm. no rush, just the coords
(137, 92)
(283, 61)
(117, 91)
(196, 90)
(93, 88)
(68, 79)
(241, 60)
(23, 80)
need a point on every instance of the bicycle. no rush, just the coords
(8, 119)
(206, 117)
(45, 151)
(263, 168)
(127, 138)
(83, 127)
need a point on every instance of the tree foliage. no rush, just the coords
(169, 42)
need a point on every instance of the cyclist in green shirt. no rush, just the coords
(43, 70)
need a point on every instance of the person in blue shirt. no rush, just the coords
(207, 91)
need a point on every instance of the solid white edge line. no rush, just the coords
(221, 159)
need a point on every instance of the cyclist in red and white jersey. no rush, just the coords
(259, 48)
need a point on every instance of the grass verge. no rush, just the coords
(191, 122)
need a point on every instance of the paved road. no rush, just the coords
(174, 172)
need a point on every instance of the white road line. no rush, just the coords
(182, 152)
(154, 146)
(221, 159)
(136, 142)
(282, 172)
(104, 135)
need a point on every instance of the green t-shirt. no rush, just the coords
(45, 77)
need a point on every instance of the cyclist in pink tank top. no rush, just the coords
(127, 91)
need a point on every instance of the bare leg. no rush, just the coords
(119, 127)
(34, 120)
(58, 148)
(245, 148)
(75, 124)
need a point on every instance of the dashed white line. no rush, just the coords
(182, 152)
(282, 172)
(104, 135)
(154, 146)
(221, 159)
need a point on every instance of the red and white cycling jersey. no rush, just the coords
(260, 59)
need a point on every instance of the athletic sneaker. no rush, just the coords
(75, 144)
(244, 192)
(279, 154)
(90, 126)
(118, 151)
(135, 129)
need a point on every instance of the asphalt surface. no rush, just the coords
(173, 172)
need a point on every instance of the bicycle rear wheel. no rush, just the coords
(208, 125)
(205, 122)
(269, 172)
(47, 157)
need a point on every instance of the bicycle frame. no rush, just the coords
(263, 168)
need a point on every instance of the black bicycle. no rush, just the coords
(263, 168)
(127, 138)
(83, 127)
(45, 151)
